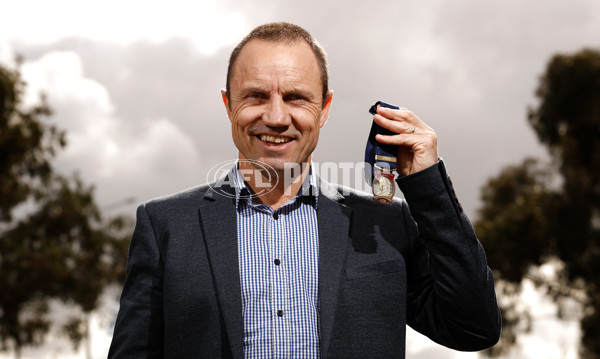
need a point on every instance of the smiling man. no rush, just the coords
(277, 103)
(306, 269)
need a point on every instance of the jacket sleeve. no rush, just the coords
(451, 297)
(138, 330)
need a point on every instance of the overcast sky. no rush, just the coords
(136, 83)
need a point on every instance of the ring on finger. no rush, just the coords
(414, 128)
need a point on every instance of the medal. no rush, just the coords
(383, 185)
(380, 161)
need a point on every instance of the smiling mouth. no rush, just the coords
(274, 139)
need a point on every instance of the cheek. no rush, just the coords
(238, 131)
(242, 113)
(306, 120)
(242, 119)
(309, 128)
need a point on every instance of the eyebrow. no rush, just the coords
(253, 88)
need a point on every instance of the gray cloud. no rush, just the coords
(466, 68)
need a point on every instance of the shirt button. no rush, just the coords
(277, 262)
(280, 313)
(275, 216)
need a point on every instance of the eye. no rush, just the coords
(256, 95)
(294, 97)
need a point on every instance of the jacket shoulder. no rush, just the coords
(177, 203)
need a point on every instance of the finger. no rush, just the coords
(424, 142)
(396, 126)
(402, 114)
(401, 139)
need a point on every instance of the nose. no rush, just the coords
(276, 114)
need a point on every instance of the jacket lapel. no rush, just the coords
(334, 228)
(219, 225)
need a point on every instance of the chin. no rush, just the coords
(276, 164)
(279, 164)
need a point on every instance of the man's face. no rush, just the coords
(276, 103)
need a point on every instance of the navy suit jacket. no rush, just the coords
(380, 267)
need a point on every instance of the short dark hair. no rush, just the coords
(287, 33)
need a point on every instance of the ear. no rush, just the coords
(226, 102)
(325, 110)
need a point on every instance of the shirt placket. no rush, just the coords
(279, 283)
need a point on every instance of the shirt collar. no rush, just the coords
(309, 188)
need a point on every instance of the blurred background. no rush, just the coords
(106, 104)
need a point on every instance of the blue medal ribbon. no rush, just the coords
(380, 154)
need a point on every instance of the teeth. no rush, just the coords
(269, 138)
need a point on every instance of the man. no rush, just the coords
(305, 269)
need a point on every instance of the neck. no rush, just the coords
(278, 186)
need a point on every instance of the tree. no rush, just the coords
(54, 242)
(534, 213)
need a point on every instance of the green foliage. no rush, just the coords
(26, 143)
(534, 214)
(567, 120)
(54, 242)
(518, 204)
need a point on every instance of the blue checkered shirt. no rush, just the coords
(278, 259)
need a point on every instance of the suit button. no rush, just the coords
(277, 262)
(280, 313)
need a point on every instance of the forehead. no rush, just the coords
(260, 58)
